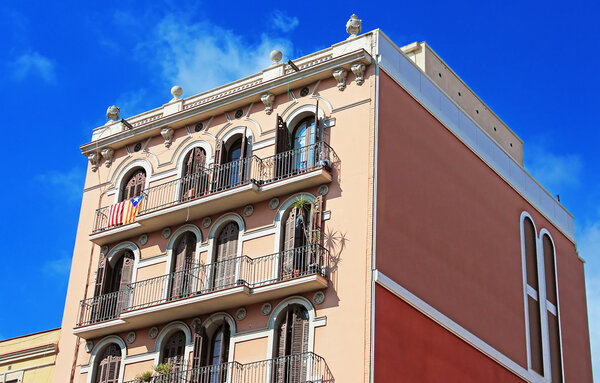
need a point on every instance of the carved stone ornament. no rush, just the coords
(196, 323)
(248, 210)
(266, 309)
(319, 297)
(143, 239)
(89, 345)
(276, 56)
(108, 154)
(167, 134)
(94, 158)
(268, 99)
(273, 203)
(130, 337)
(104, 250)
(113, 112)
(166, 232)
(176, 91)
(323, 189)
(241, 313)
(206, 222)
(153, 333)
(353, 26)
(358, 69)
(340, 76)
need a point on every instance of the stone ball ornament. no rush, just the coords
(113, 112)
(276, 56)
(176, 91)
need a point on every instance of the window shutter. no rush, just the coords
(109, 365)
(289, 244)
(281, 362)
(282, 136)
(135, 185)
(124, 287)
(315, 221)
(100, 276)
(199, 336)
(318, 133)
(178, 261)
(218, 152)
(173, 351)
(243, 150)
(224, 274)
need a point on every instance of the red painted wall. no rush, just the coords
(410, 347)
(448, 231)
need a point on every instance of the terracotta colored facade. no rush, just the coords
(347, 254)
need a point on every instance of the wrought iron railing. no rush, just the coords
(204, 279)
(216, 179)
(307, 367)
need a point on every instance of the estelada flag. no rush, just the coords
(132, 209)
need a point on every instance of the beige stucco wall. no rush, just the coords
(30, 357)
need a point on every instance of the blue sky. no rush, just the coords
(63, 63)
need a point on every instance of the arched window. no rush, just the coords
(552, 309)
(173, 351)
(112, 285)
(230, 166)
(194, 180)
(109, 365)
(134, 185)
(300, 240)
(182, 265)
(291, 342)
(224, 265)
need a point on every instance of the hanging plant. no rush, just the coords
(163, 368)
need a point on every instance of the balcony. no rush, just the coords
(296, 368)
(219, 188)
(204, 289)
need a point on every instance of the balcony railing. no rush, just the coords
(205, 279)
(297, 368)
(216, 179)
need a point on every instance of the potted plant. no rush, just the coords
(145, 377)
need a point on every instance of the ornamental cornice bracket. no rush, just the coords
(340, 76)
(108, 154)
(358, 68)
(167, 133)
(268, 99)
(94, 158)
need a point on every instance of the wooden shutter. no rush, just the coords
(289, 244)
(174, 349)
(217, 180)
(100, 276)
(315, 228)
(183, 261)
(135, 185)
(125, 280)
(279, 369)
(224, 270)
(193, 182)
(299, 345)
(199, 345)
(282, 136)
(318, 133)
(109, 365)
(242, 163)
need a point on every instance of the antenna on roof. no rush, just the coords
(294, 67)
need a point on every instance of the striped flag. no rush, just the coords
(132, 209)
(115, 214)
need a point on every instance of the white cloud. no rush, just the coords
(556, 172)
(283, 21)
(57, 268)
(201, 56)
(34, 64)
(66, 184)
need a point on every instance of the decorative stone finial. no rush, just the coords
(358, 69)
(340, 75)
(353, 26)
(113, 112)
(167, 134)
(176, 91)
(276, 56)
(94, 157)
(107, 153)
(268, 99)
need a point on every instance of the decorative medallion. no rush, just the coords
(198, 127)
(239, 113)
(206, 222)
(196, 323)
(248, 210)
(304, 91)
(166, 232)
(273, 203)
(104, 250)
(143, 239)
(323, 189)
(319, 297)
(153, 333)
(241, 313)
(137, 147)
(89, 345)
(266, 309)
(130, 337)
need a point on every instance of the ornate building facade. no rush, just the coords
(357, 215)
